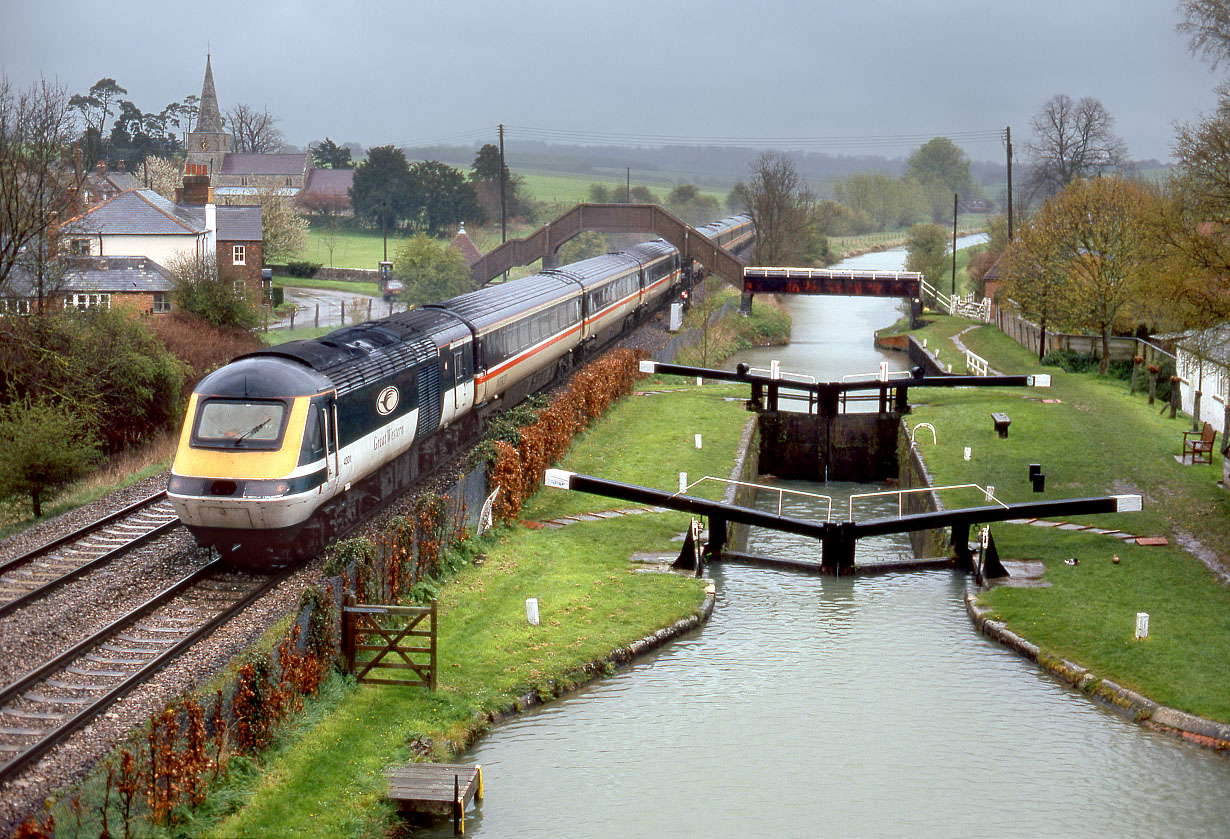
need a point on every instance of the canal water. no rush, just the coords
(857, 707)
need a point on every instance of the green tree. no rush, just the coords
(329, 155)
(927, 253)
(692, 205)
(1098, 227)
(941, 163)
(46, 446)
(583, 246)
(380, 193)
(202, 290)
(440, 196)
(1035, 275)
(487, 164)
(431, 270)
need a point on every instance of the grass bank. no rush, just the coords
(1095, 439)
(327, 779)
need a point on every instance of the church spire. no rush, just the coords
(209, 118)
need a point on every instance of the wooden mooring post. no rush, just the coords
(365, 622)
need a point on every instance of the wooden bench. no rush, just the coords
(1199, 445)
(1002, 421)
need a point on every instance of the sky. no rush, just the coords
(861, 77)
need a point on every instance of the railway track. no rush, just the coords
(39, 572)
(45, 706)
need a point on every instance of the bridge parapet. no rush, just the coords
(839, 281)
(609, 218)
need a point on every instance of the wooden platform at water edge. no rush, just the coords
(437, 789)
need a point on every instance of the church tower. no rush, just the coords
(209, 143)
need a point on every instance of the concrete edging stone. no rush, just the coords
(1127, 703)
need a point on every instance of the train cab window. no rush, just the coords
(240, 424)
(313, 436)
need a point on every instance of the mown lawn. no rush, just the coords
(1096, 439)
(327, 779)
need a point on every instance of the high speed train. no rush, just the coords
(284, 448)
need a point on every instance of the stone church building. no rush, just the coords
(235, 177)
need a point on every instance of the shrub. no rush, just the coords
(202, 346)
(1071, 362)
(303, 268)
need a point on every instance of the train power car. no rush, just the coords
(292, 445)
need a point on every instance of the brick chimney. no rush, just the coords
(101, 167)
(196, 190)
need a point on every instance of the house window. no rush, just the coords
(162, 302)
(238, 256)
(88, 301)
(12, 306)
(79, 247)
(290, 181)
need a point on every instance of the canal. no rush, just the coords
(813, 706)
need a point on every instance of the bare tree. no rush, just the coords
(255, 131)
(39, 180)
(285, 228)
(1072, 140)
(780, 203)
(1207, 25)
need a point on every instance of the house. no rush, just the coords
(136, 283)
(101, 185)
(327, 192)
(1202, 362)
(141, 222)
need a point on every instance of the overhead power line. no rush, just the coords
(850, 142)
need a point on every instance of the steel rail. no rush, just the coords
(52, 585)
(89, 712)
(16, 562)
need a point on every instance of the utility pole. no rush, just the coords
(503, 201)
(1008, 130)
(628, 187)
(954, 244)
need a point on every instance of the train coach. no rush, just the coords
(291, 445)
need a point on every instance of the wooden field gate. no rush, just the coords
(394, 634)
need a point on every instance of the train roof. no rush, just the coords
(588, 271)
(262, 377)
(354, 356)
(501, 301)
(649, 251)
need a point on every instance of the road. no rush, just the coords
(330, 304)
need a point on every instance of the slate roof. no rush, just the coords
(1212, 344)
(239, 223)
(465, 245)
(328, 182)
(138, 212)
(264, 164)
(109, 274)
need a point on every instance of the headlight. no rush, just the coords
(265, 489)
(181, 486)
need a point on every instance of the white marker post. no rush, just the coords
(698, 441)
(775, 369)
(683, 481)
(968, 452)
(1142, 625)
(531, 611)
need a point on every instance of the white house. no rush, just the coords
(141, 222)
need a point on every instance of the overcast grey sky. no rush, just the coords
(408, 72)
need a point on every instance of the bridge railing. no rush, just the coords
(987, 491)
(781, 492)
